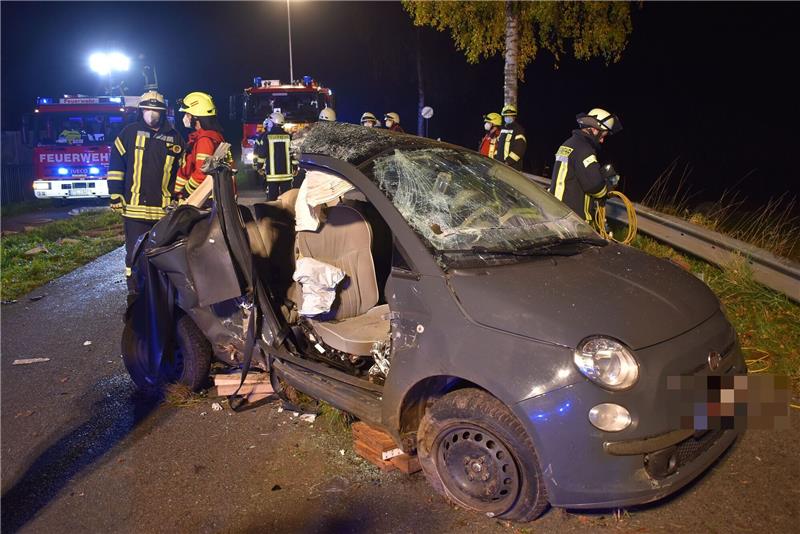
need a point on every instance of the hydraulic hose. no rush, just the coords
(600, 218)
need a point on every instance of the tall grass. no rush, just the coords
(775, 226)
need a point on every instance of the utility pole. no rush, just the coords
(289, 20)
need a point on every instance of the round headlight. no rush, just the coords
(607, 362)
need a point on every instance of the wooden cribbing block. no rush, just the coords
(378, 448)
(256, 385)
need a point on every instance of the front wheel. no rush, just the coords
(189, 364)
(476, 453)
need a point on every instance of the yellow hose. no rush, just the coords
(600, 219)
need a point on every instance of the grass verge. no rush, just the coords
(69, 244)
(767, 322)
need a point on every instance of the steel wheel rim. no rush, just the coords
(477, 468)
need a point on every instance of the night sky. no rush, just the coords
(706, 85)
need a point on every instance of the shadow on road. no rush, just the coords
(120, 409)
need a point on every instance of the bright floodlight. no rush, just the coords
(103, 63)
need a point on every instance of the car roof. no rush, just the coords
(356, 144)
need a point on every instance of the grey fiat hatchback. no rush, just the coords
(480, 322)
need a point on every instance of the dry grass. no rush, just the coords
(774, 227)
(180, 396)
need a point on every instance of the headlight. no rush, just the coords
(249, 157)
(607, 362)
(41, 186)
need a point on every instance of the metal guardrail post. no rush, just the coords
(780, 274)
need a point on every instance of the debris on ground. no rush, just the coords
(67, 241)
(203, 413)
(26, 413)
(217, 407)
(256, 386)
(37, 297)
(276, 487)
(308, 417)
(9, 302)
(27, 361)
(35, 250)
(87, 343)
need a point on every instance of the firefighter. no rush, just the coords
(369, 120)
(327, 115)
(272, 156)
(392, 122)
(144, 162)
(200, 117)
(578, 179)
(491, 123)
(511, 144)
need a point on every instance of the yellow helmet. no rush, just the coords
(509, 110)
(327, 114)
(494, 118)
(392, 116)
(198, 104)
(152, 100)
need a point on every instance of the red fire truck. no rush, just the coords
(72, 139)
(300, 102)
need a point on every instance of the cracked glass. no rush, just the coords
(460, 201)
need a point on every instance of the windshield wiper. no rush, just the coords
(568, 246)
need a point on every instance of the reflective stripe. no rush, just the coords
(137, 169)
(279, 177)
(271, 175)
(128, 271)
(561, 179)
(201, 157)
(165, 181)
(506, 147)
(116, 175)
(589, 160)
(143, 212)
(120, 146)
(601, 193)
(520, 136)
(191, 185)
(586, 204)
(513, 156)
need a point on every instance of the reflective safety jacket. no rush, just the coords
(489, 142)
(576, 179)
(201, 146)
(511, 145)
(142, 170)
(272, 152)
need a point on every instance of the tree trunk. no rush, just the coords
(512, 52)
(420, 87)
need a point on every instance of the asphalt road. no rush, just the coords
(81, 452)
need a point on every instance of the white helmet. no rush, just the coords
(327, 114)
(392, 116)
(275, 117)
(600, 119)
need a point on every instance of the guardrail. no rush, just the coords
(777, 273)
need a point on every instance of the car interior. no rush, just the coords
(352, 237)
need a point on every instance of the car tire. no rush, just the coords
(476, 453)
(191, 363)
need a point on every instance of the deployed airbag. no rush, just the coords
(318, 281)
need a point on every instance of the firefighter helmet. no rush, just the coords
(367, 116)
(509, 110)
(152, 100)
(327, 114)
(276, 117)
(494, 118)
(392, 116)
(198, 104)
(599, 119)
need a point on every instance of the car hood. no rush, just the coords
(613, 290)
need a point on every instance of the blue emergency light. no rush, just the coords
(307, 80)
(257, 81)
(63, 171)
(94, 170)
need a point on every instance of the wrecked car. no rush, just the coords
(449, 300)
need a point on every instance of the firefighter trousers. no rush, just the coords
(134, 228)
(275, 189)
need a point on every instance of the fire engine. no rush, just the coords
(72, 139)
(300, 102)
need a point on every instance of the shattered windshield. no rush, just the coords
(459, 201)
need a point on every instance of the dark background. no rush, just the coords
(708, 86)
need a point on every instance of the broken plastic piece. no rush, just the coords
(308, 417)
(26, 361)
(217, 407)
